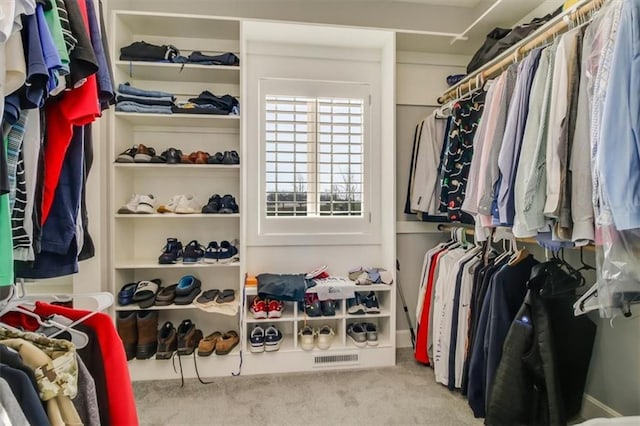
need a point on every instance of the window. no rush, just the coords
(314, 156)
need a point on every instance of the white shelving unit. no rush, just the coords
(136, 239)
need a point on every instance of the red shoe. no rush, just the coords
(258, 308)
(275, 308)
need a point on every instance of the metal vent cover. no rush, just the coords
(326, 360)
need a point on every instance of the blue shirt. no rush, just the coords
(618, 156)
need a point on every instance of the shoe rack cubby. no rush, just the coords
(136, 240)
(342, 353)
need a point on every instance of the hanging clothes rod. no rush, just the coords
(471, 232)
(560, 24)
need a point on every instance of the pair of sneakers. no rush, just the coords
(223, 253)
(221, 205)
(137, 154)
(363, 334)
(174, 251)
(363, 303)
(181, 204)
(266, 308)
(139, 204)
(314, 307)
(262, 340)
(322, 337)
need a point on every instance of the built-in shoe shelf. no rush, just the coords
(167, 167)
(178, 216)
(179, 120)
(151, 265)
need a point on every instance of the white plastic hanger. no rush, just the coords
(588, 302)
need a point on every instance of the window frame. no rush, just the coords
(357, 228)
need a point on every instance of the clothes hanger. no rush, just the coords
(588, 302)
(519, 255)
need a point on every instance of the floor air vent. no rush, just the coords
(328, 360)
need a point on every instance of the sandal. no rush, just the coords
(125, 295)
(166, 295)
(226, 296)
(208, 296)
(146, 290)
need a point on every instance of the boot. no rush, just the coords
(188, 337)
(126, 325)
(147, 334)
(167, 341)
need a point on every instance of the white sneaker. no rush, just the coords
(146, 204)
(170, 207)
(325, 337)
(188, 204)
(306, 337)
(132, 205)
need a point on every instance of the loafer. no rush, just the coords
(125, 295)
(227, 342)
(208, 344)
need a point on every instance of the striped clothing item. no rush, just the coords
(14, 145)
(69, 38)
(20, 237)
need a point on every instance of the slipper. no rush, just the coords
(188, 298)
(145, 290)
(166, 295)
(125, 295)
(208, 296)
(226, 296)
(187, 284)
(147, 303)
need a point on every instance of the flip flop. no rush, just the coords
(125, 295)
(226, 296)
(208, 296)
(166, 295)
(145, 290)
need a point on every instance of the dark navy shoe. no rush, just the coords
(230, 157)
(193, 252)
(172, 252)
(227, 253)
(213, 206)
(328, 308)
(216, 158)
(212, 253)
(228, 204)
(272, 339)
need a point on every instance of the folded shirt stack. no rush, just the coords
(147, 52)
(208, 103)
(132, 99)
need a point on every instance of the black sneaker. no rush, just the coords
(228, 204)
(173, 156)
(172, 252)
(193, 252)
(213, 206)
(128, 155)
(216, 158)
(230, 157)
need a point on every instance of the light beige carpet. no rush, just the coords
(402, 395)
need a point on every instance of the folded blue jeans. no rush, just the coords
(127, 89)
(136, 107)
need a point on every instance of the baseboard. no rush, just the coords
(593, 408)
(403, 339)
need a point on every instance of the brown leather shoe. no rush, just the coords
(147, 334)
(128, 332)
(144, 154)
(227, 342)
(201, 157)
(188, 337)
(208, 344)
(167, 341)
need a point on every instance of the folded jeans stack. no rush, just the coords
(132, 99)
(208, 103)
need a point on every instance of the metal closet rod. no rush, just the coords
(559, 25)
(469, 231)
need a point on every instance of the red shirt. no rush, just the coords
(122, 410)
(77, 107)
